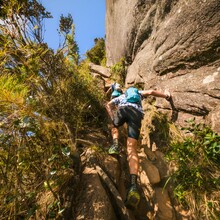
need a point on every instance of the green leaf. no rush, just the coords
(66, 151)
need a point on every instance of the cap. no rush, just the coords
(117, 86)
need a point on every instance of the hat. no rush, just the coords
(117, 86)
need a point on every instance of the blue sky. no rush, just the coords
(88, 17)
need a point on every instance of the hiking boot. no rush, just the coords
(133, 198)
(114, 149)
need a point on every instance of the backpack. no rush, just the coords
(116, 90)
(115, 93)
(132, 95)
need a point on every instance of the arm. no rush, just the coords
(110, 89)
(156, 93)
(109, 108)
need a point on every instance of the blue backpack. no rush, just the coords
(116, 90)
(132, 95)
(115, 93)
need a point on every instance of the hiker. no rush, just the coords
(130, 111)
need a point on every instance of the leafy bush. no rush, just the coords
(118, 72)
(97, 54)
(47, 99)
(196, 178)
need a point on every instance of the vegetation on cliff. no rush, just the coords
(196, 176)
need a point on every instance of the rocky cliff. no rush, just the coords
(170, 44)
(166, 44)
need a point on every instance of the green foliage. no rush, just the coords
(197, 159)
(66, 23)
(35, 155)
(47, 99)
(12, 92)
(70, 46)
(118, 72)
(96, 55)
(159, 129)
(71, 95)
(23, 19)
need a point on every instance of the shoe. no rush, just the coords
(133, 198)
(114, 149)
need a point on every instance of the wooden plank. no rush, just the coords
(115, 193)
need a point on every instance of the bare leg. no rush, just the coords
(115, 133)
(133, 196)
(114, 149)
(133, 160)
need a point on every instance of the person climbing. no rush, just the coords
(130, 111)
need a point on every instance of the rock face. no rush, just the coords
(170, 44)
